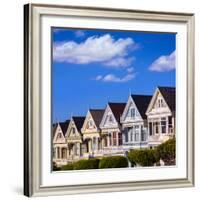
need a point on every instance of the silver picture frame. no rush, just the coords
(32, 97)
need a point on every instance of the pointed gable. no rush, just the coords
(64, 126)
(117, 109)
(97, 115)
(169, 94)
(78, 121)
(74, 128)
(112, 114)
(58, 131)
(164, 100)
(142, 102)
(135, 108)
(92, 120)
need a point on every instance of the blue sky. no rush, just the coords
(92, 67)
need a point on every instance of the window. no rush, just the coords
(120, 138)
(160, 103)
(58, 152)
(132, 112)
(170, 127)
(131, 134)
(126, 135)
(150, 128)
(90, 124)
(54, 152)
(114, 134)
(64, 153)
(143, 135)
(73, 130)
(163, 125)
(156, 127)
(94, 143)
(110, 119)
(136, 133)
(110, 139)
(105, 142)
(59, 136)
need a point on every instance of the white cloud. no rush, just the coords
(79, 33)
(114, 78)
(164, 63)
(120, 62)
(104, 49)
(99, 77)
(130, 69)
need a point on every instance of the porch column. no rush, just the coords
(89, 146)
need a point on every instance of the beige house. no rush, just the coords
(134, 122)
(92, 133)
(74, 139)
(161, 116)
(111, 135)
(59, 143)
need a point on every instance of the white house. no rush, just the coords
(92, 133)
(60, 147)
(74, 139)
(134, 122)
(161, 116)
(111, 136)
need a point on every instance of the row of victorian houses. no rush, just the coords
(143, 122)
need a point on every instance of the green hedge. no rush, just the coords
(149, 157)
(86, 164)
(68, 167)
(167, 152)
(143, 157)
(113, 162)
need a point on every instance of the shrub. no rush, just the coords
(55, 167)
(167, 152)
(92, 163)
(113, 162)
(68, 167)
(143, 157)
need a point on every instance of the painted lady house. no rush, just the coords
(74, 139)
(134, 122)
(161, 114)
(92, 133)
(59, 143)
(110, 126)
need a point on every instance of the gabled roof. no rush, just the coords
(117, 109)
(169, 94)
(142, 102)
(64, 126)
(78, 120)
(97, 115)
(55, 125)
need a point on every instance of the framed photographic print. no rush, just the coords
(108, 100)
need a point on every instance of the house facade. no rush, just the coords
(60, 147)
(74, 139)
(92, 133)
(111, 135)
(134, 122)
(161, 116)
